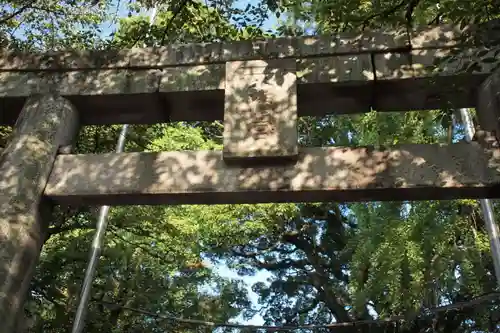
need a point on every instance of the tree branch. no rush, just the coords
(7, 18)
(290, 320)
(409, 11)
(383, 13)
(63, 228)
(436, 19)
(114, 231)
(171, 21)
(391, 320)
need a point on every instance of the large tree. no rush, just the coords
(350, 262)
(153, 256)
(327, 261)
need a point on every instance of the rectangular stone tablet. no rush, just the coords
(260, 115)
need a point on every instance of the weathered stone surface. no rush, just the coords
(44, 124)
(427, 79)
(454, 35)
(344, 84)
(10, 60)
(198, 78)
(205, 53)
(340, 69)
(260, 113)
(442, 36)
(452, 62)
(326, 85)
(326, 44)
(350, 43)
(175, 54)
(393, 66)
(337, 85)
(88, 59)
(307, 46)
(278, 48)
(107, 82)
(171, 79)
(445, 36)
(24, 84)
(406, 172)
(96, 82)
(488, 104)
(384, 40)
(65, 60)
(414, 64)
(16, 84)
(433, 62)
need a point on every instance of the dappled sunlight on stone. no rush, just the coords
(260, 117)
(320, 174)
(335, 74)
(45, 123)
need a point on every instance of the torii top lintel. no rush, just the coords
(386, 70)
(443, 36)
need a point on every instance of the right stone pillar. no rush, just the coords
(488, 104)
(45, 123)
(488, 113)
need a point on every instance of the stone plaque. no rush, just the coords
(260, 116)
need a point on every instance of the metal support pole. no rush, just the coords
(95, 253)
(98, 241)
(486, 206)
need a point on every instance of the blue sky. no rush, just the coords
(261, 276)
(120, 7)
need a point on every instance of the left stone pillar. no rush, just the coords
(46, 123)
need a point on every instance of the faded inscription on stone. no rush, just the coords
(260, 116)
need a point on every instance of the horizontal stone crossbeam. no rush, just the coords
(345, 43)
(406, 172)
(341, 74)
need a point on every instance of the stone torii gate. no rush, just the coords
(259, 89)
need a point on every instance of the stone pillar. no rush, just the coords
(45, 123)
(260, 114)
(488, 105)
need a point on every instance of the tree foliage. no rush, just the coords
(327, 262)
